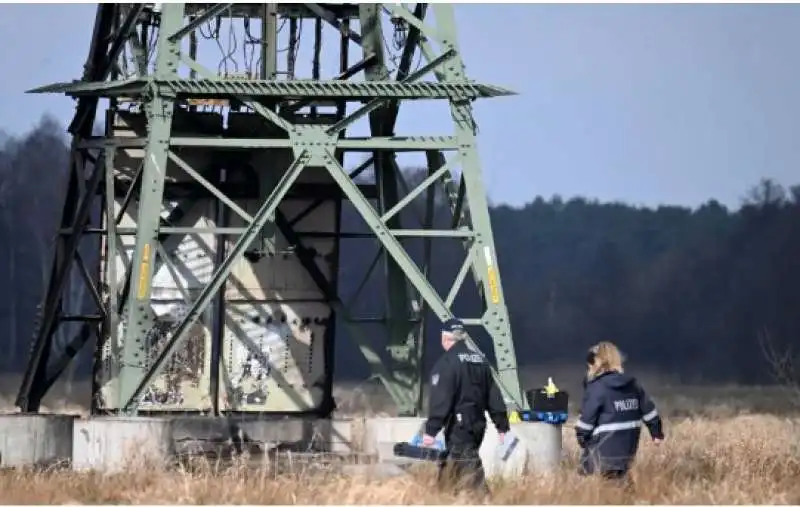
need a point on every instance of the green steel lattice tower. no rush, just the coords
(220, 199)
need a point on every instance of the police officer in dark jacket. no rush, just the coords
(462, 390)
(614, 407)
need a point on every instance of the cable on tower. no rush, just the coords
(297, 43)
(249, 47)
(230, 51)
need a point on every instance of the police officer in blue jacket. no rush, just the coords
(612, 413)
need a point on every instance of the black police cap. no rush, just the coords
(452, 325)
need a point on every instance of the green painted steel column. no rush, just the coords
(496, 319)
(402, 340)
(159, 109)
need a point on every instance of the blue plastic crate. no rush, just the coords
(547, 417)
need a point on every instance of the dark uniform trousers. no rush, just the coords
(463, 468)
(591, 462)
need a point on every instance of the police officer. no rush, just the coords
(614, 407)
(462, 390)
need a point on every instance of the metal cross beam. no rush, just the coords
(293, 90)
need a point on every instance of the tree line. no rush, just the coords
(706, 294)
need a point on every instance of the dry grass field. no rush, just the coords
(725, 445)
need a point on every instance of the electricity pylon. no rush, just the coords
(221, 195)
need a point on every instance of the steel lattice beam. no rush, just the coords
(292, 90)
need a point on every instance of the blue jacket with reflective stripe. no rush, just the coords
(608, 429)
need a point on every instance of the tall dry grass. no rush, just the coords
(726, 444)
(742, 459)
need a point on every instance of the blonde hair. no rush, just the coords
(605, 357)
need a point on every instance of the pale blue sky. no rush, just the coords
(647, 104)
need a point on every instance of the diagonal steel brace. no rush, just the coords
(181, 331)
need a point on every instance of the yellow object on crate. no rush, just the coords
(550, 389)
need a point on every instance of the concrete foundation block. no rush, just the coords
(538, 450)
(543, 444)
(35, 440)
(113, 444)
(335, 436)
(196, 435)
(192, 435)
(389, 430)
(382, 433)
(271, 431)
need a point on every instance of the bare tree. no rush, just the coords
(782, 363)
